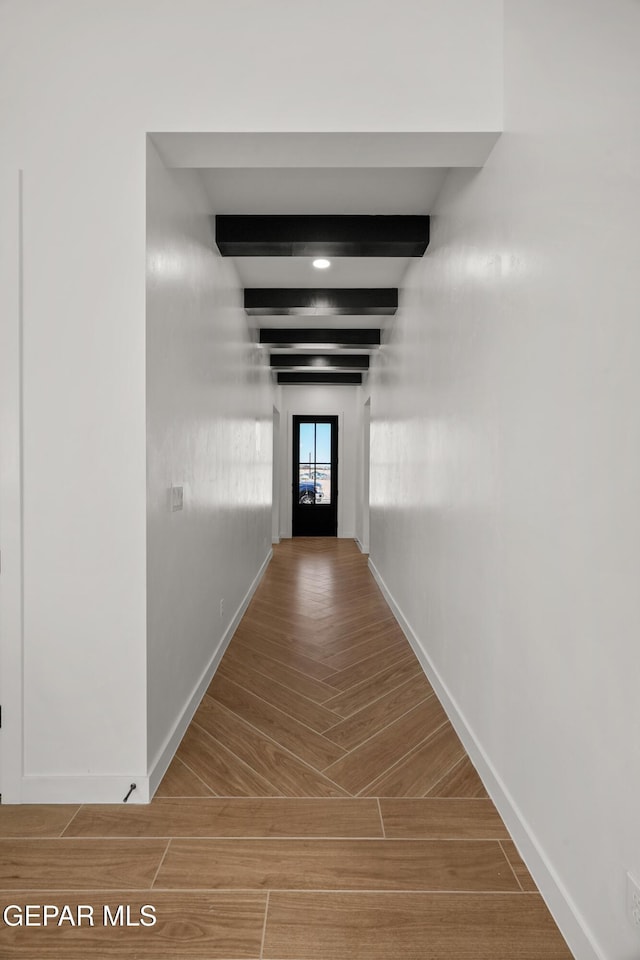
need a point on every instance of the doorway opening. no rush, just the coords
(275, 479)
(315, 476)
(366, 463)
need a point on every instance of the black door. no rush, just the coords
(315, 476)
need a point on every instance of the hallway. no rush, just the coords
(320, 807)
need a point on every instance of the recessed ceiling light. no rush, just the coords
(321, 263)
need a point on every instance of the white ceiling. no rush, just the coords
(392, 173)
(300, 272)
(323, 190)
(292, 150)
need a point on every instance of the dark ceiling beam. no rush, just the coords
(320, 301)
(302, 378)
(338, 337)
(322, 236)
(318, 361)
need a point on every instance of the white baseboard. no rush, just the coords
(275, 540)
(76, 789)
(165, 754)
(113, 789)
(561, 906)
(361, 546)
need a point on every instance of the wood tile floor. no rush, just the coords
(320, 807)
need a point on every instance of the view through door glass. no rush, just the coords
(315, 480)
(315, 464)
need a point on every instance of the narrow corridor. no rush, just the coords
(320, 807)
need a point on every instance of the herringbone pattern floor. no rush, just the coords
(320, 695)
(320, 807)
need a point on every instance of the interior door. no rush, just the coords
(315, 476)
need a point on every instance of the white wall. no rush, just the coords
(275, 478)
(209, 430)
(506, 458)
(328, 400)
(86, 80)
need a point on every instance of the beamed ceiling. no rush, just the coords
(340, 238)
(362, 200)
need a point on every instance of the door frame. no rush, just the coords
(287, 474)
(11, 485)
(330, 511)
(275, 479)
(366, 475)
